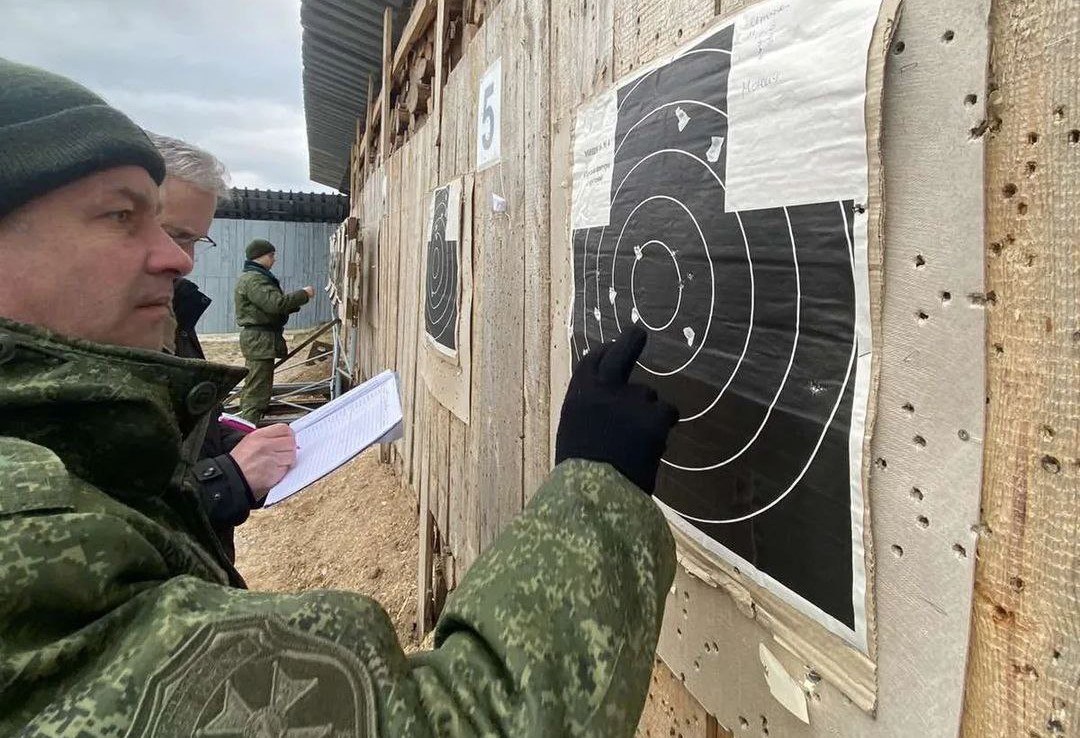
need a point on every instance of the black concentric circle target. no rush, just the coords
(750, 314)
(441, 283)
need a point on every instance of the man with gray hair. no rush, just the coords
(235, 471)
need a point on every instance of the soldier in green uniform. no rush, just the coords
(262, 310)
(120, 615)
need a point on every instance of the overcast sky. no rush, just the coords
(223, 74)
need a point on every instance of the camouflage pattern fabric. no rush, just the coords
(258, 386)
(262, 310)
(117, 617)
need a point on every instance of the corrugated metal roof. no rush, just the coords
(342, 44)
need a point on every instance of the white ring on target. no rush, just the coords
(712, 282)
(712, 279)
(652, 71)
(783, 382)
(633, 297)
(824, 428)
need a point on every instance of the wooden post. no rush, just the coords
(437, 85)
(388, 55)
(370, 101)
(1025, 658)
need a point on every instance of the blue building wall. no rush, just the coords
(302, 259)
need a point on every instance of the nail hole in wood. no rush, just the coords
(917, 494)
(919, 441)
(1074, 136)
(920, 262)
(1008, 190)
(908, 408)
(963, 435)
(899, 47)
(1050, 464)
(970, 99)
(898, 552)
(1033, 138)
(923, 521)
(960, 551)
(948, 36)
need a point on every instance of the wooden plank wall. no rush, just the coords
(472, 479)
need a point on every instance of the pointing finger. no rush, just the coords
(618, 362)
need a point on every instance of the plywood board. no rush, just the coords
(1024, 676)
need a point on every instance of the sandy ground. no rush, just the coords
(356, 529)
(224, 348)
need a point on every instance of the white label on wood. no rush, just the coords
(594, 157)
(489, 117)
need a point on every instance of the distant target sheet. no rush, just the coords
(720, 201)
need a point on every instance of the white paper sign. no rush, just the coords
(796, 97)
(489, 117)
(594, 157)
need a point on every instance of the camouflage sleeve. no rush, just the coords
(272, 300)
(554, 629)
(115, 625)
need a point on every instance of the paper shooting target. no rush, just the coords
(752, 330)
(442, 277)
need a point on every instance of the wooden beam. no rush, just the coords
(1025, 658)
(440, 52)
(422, 14)
(368, 102)
(388, 37)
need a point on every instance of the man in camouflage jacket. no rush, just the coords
(120, 615)
(262, 310)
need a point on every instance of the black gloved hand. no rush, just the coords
(606, 419)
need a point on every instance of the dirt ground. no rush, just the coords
(356, 529)
(224, 348)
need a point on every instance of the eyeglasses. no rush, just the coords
(190, 242)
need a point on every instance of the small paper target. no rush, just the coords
(441, 283)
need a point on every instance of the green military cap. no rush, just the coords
(54, 132)
(258, 247)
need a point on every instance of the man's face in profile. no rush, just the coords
(90, 260)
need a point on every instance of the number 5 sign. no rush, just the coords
(488, 118)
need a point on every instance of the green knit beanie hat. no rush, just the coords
(54, 132)
(258, 247)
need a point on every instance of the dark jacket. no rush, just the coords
(262, 310)
(224, 491)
